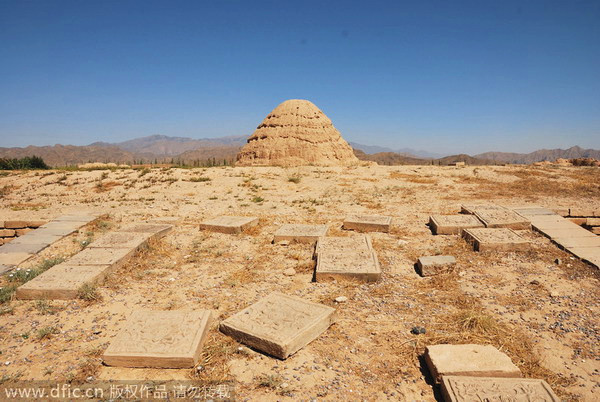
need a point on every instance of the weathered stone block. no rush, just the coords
(60, 228)
(468, 389)
(533, 211)
(21, 232)
(279, 325)
(502, 218)
(13, 259)
(596, 230)
(485, 239)
(577, 232)
(368, 223)
(128, 240)
(159, 339)
(300, 233)
(62, 281)
(470, 208)
(156, 229)
(346, 257)
(578, 242)
(15, 224)
(435, 264)
(452, 224)
(114, 257)
(583, 212)
(7, 233)
(468, 360)
(592, 222)
(578, 221)
(35, 224)
(229, 224)
(36, 237)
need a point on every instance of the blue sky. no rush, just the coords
(448, 77)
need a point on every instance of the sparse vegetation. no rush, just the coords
(26, 163)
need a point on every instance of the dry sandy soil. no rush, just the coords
(543, 314)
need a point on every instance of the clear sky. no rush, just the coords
(447, 76)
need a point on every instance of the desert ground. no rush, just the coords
(539, 306)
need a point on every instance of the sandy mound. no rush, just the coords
(296, 133)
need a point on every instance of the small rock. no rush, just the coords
(285, 385)
(341, 299)
(284, 243)
(534, 282)
(558, 261)
(418, 330)
(402, 242)
(289, 272)
(554, 294)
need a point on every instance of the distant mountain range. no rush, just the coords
(162, 148)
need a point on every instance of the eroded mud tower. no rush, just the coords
(296, 133)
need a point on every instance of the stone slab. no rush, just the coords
(486, 239)
(35, 224)
(13, 259)
(561, 211)
(453, 224)
(435, 264)
(300, 233)
(7, 233)
(36, 237)
(533, 211)
(583, 212)
(229, 224)
(128, 240)
(471, 208)
(156, 229)
(468, 360)
(60, 228)
(596, 230)
(368, 223)
(346, 257)
(14, 247)
(159, 339)
(502, 218)
(82, 218)
(6, 268)
(578, 221)
(22, 232)
(469, 389)
(279, 325)
(592, 222)
(62, 281)
(588, 254)
(574, 233)
(565, 224)
(15, 224)
(578, 242)
(114, 257)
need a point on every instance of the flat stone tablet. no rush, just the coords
(368, 223)
(15, 224)
(435, 264)
(300, 233)
(229, 224)
(13, 259)
(62, 228)
(15, 247)
(468, 389)
(533, 211)
(502, 218)
(578, 242)
(470, 208)
(130, 240)
(346, 257)
(35, 237)
(573, 233)
(452, 224)
(485, 239)
(583, 212)
(469, 360)
(154, 228)
(279, 325)
(159, 339)
(62, 281)
(114, 257)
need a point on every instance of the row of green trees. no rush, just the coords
(28, 162)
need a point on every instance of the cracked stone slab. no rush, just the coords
(435, 264)
(300, 233)
(229, 224)
(468, 360)
(62, 281)
(485, 239)
(159, 339)
(129, 240)
(368, 223)
(346, 257)
(453, 224)
(114, 257)
(279, 325)
(468, 389)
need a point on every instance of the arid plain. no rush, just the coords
(539, 306)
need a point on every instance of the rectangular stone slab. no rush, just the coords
(62, 281)
(15, 247)
(578, 242)
(468, 360)
(468, 389)
(114, 257)
(574, 233)
(582, 212)
(470, 208)
(13, 259)
(60, 228)
(533, 211)
(156, 229)
(35, 237)
(300, 233)
(502, 218)
(130, 240)
(15, 224)
(229, 224)
(589, 254)
(159, 339)
(278, 324)
(592, 222)
(435, 264)
(82, 218)
(485, 239)
(368, 223)
(346, 257)
(453, 224)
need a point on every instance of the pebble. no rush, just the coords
(341, 299)
(418, 330)
(289, 272)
